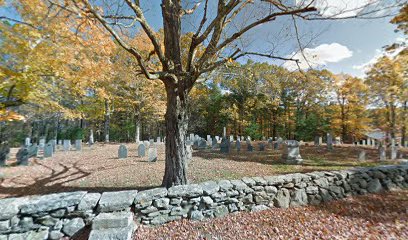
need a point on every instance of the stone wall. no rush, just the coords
(111, 215)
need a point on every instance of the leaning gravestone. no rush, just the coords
(261, 146)
(362, 156)
(141, 150)
(48, 150)
(78, 144)
(122, 152)
(291, 153)
(22, 157)
(224, 145)
(152, 154)
(250, 148)
(4, 151)
(33, 151)
(67, 145)
(382, 153)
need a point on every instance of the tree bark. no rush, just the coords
(176, 120)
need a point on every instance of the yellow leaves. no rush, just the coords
(7, 115)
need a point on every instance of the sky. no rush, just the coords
(342, 46)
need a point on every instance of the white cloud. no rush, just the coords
(337, 8)
(318, 56)
(379, 53)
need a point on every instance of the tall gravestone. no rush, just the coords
(67, 145)
(53, 143)
(224, 132)
(224, 145)
(291, 152)
(122, 152)
(209, 142)
(48, 150)
(141, 150)
(329, 141)
(152, 154)
(381, 151)
(91, 138)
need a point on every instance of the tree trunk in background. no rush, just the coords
(107, 121)
(404, 127)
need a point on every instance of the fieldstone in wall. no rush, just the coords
(73, 226)
(192, 190)
(51, 202)
(112, 220)
(116, 201)
(89, 201)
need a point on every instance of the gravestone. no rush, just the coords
(383, 156)
(67, 145)
(146, 144)
(316, 141)
(42, 143)
(250, 148)
(122, 152)
(59, 142)
(91, 138)
(394, 150)
(141, 150)
(152, 154)
(22, 157)
(275, 145)
(202, 144)
(238, 145)
(208, 138)
(189, 142)
(362, 155)
(217, 138)
(214, 144)
(4, 151)
(261, 146)
(151, 141)
(209, 142)
(224, 145)
(329, 141)
(158, 140)
(53, 143)
(291, 153)
(368, 141)
(78, 144)
(27, 141)
(320, 141)
(32, 150)
(364, 142)
(48, 150)
(248, 138)
(224, 132)
(192, 137)
(231, 138)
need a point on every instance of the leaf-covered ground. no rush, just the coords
(380, 216)
(98, 168)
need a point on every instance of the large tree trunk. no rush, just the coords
(176, 119)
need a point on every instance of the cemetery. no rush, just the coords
(225, 119)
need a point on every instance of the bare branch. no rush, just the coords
(19, 22)
(191, 10)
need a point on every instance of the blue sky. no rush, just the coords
(343, 46)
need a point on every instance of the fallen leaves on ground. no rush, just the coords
(380, 216)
